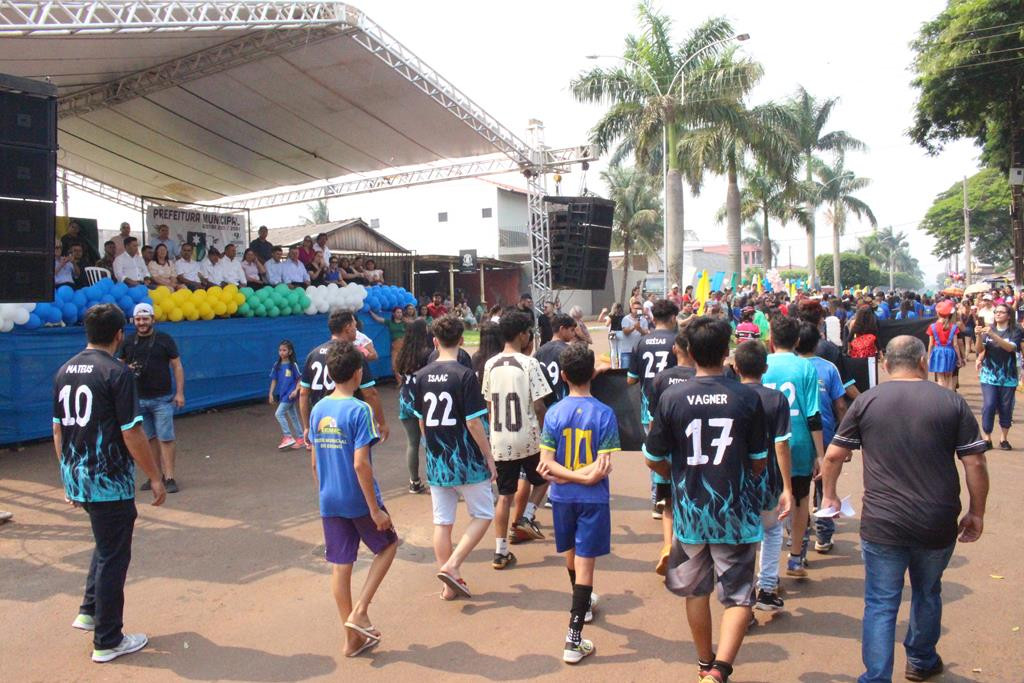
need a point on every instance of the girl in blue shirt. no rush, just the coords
(284, 390)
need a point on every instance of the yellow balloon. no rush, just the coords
(232, 308)
(181, 296)
(203, 308)
(231, 289)
(214, 291)
(239, 299)
(206, 314)
(175, 315)
(158, 312)
(219, 308)
(192, 314)
(160, 293)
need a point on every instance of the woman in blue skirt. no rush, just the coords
(943, 351)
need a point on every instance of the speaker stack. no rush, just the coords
(28, 189)
(580, 230)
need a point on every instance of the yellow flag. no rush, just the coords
(703, 291)
(760, 285)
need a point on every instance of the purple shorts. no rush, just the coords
(342, 536)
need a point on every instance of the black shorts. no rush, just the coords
(801, 487)
(663, 492)
(508, 473)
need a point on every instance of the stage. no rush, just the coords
(226, 361)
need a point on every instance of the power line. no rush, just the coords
(987, 28)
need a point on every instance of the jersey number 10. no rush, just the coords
(513, 413)
(579, 447)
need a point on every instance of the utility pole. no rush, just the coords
(967, 238)
(791, 257)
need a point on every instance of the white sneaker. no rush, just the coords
(5, 515)
(83, 622)
(130, 643)
(589, 616)
(573, 654)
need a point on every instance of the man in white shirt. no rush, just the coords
(321, 246)
(164, 237)
(129, 267)
(211, 270)
(273, 266)
(986, 311)
(634, 326)
(188, 268)
(232, 266)
(293, 272)
(118, 240)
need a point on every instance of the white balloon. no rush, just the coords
(7, 310)
(322, 307)
(311, 309)
(6, 325)
(20, 316)
(333, 287)
(29, 307)
(322, 289)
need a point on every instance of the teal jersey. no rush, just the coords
(798, 380)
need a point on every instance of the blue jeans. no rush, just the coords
(884, 569)
(286, 409)
(995, 399)
(771, 549)
(158, 417)
(624, 359)
(824, 527)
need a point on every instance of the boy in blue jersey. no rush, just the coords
(342, 429)
(832, 401)
(796, 378)
(450, 408)
(580, 434)
(709, 437)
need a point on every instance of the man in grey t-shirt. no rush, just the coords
(634, 326)
(910, 432)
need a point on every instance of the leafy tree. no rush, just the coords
(637, 222)
(891, 251)
(835, 187)
(793, 274)
(316, 213)
(988, 196)
(970, 76)
(646, 100)
(855, 269)
(755, 236)
(808, 120)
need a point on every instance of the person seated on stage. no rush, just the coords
(162, 269)
(317, 270)
(293, 271)
(188, 269)
(147, 254)
(164, 237)
(64, 268)
(74, 236)
(109, 254)
(359, 268)
(320, 247)
(232, 265)
(211, 270)
(253, 269)
(306, 251)
(129, 267)
(348, 273)
(333, 273)
(274, 274)
(374, 275)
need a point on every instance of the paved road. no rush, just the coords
(226, 582)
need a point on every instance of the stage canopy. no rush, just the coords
(196, 101)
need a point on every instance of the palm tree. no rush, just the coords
(763, 196)
(809, 117)
(836, 188)
(897, 248)
(722, 146)
(637, 223)
(755, 236)
(316, 213)
(647, 107)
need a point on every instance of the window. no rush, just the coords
(374, 223)
(485, 213)
(442, 217)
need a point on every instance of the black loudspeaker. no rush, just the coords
(580, 230)
(28, 189)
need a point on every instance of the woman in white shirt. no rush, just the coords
(162, 269)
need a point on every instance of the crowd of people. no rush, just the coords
(175, 265)
(749, 416)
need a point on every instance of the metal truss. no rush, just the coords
(69, 18)
(472, 168)
(540, 236)
(189, 68)
(98, 189)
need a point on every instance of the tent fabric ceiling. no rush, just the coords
(308, 112)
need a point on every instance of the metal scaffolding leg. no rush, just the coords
(540, 240)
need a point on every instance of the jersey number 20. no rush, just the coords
(321, 378)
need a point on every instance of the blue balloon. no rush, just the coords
(79, 299)
(138, 293)
(93, 292)
(64, 293)
(125, 302)
(34, 322)
(365, 308)
(119, 290)
(108, 299)
(69, 314)
(104, 285)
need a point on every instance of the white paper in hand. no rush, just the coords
(845, 510)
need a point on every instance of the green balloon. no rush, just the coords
(282, 288)
(273, 312)
(297, 309)
(261, 310)
(304, 301)
(247, 291)
(244, 309)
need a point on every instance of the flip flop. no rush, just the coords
(457, 585)
(365, 631)
(370, 642)
(454, 597)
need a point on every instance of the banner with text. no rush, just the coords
(200, 227)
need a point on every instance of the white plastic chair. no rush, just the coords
(94, 274)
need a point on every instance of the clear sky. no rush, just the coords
(516, 60)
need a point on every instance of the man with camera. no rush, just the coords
(152, 355)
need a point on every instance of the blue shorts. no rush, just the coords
(158, 417)
(583, 527)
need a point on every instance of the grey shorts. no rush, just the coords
(693, 571)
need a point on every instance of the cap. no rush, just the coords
(142, 309)
(944, 308)
(987, 297)
(675, 286)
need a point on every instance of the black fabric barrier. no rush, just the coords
(611, 389)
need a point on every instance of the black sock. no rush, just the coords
(580, 605)
(724, 667)
(572, 576)
(706, 665)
